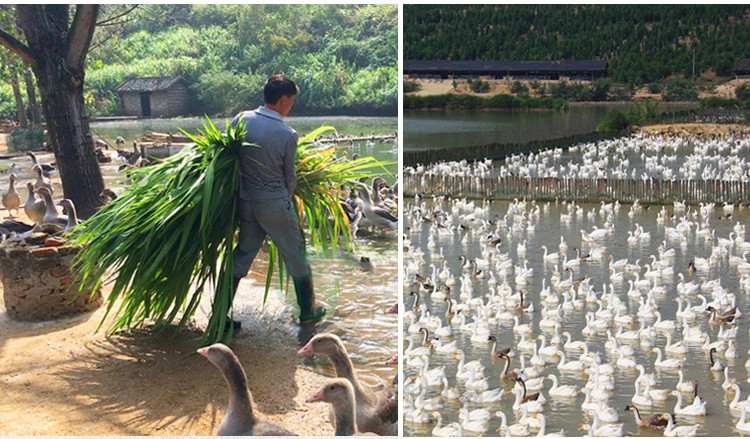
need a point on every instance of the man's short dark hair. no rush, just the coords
(277, 86)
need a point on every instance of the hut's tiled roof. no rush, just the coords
(148, 84)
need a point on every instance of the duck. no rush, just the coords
(42, 181)
(339, 392)
(654, 421)
(543, 428)
(716, 365)
(33, 208)
(682, 431)
(375, 216)
(47, 170)
(50, 212)
(576, 365)
(567, 391)
(377, 408)
(107, 196)
(11, 199)
(669, 363)
(606, 430)
(240, 419)
(697, 408)
(453, 429)
(507, 374)
(684, 386)
(516, 430)
(71, 211)
(742, 425)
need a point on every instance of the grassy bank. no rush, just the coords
(471, 102)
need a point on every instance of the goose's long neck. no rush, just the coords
(507, 365)
(49, 205)
(240, 400)
(344, 369)
(637, 415)
(346, 417)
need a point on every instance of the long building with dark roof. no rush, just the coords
(742, 69)
(447, 69)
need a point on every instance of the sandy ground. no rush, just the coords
(63, 378)
(3, 142)
(696, 129)
(725, 90)
(445, 86)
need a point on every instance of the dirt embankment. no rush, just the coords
(62, 378)
(696, 129)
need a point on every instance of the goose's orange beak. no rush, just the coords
(306, 349)
(316, 397)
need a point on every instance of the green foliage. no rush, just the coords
(519, 88)
(654, 88)
(411, 86)
(680, 90)
(614, 120)
(717, 102)
(743, 91)
(26, 139)
(600, 89)
(643, 43)
(342, 56)
(464, 101)
(478, 86)
(7, 103)
(617, 120)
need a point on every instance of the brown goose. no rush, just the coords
(239, 420)
(653, 421)
(340, 394)
(42, 181)
(50, 211)
(526, 398)
(46, 169)
(377, 408)
(11, 199)
(70, 209)
(507, 374)
(724, 317)
(34, 208)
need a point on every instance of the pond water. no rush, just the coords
(548, 226)
(446, 129)
(359, 298)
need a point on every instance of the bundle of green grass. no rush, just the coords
(170, 235)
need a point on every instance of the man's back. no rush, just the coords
(268, 171)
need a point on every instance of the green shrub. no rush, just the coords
(464, 101)
(654, 88)
(519, 88)
(743, 92)
(535, 84)
(411, 86)
(478, 86)
(614, 120)
(26, 140)
(600, 90)
(680, 90)
(719, 102)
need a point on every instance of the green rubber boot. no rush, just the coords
(308, 312)
(236, 324)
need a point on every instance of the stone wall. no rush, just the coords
(38, 284)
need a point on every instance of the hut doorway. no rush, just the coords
(145, 104)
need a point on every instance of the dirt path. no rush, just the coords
(61, 378)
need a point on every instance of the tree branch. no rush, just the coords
(111, 19)
(80, 34)
(17, 47)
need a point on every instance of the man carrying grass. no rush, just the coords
(266, 184)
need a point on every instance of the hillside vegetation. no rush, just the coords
(643, 44)
(344, 57)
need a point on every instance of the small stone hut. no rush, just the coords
(156, 96)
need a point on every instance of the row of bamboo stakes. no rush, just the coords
(579, 189)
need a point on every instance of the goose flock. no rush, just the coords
(543, 318)
(639, 156)
(355, 407)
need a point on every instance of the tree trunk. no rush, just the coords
(68, 128)
(56, 53)
(31, 95)
(20, 109)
